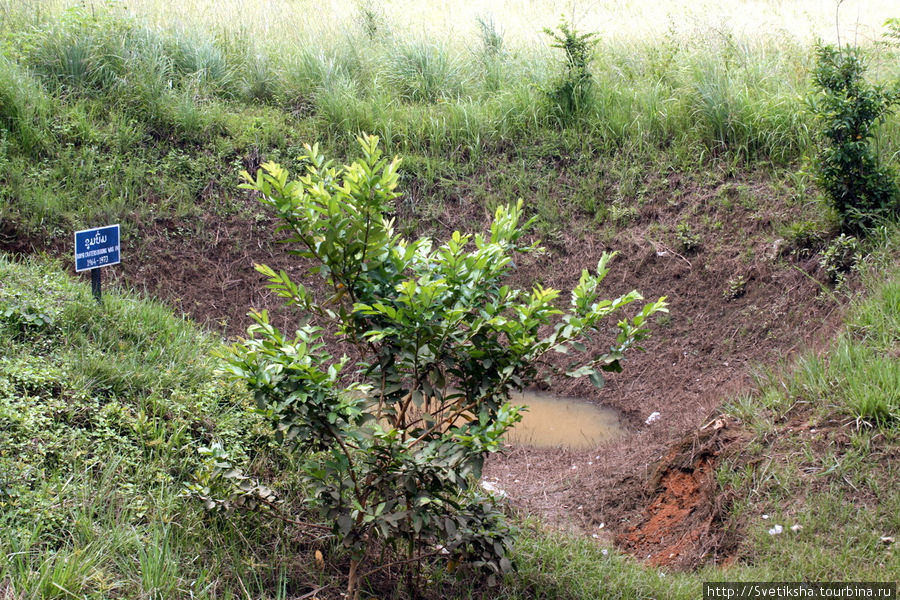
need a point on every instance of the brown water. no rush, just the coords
(551, 422)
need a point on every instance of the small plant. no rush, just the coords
(840, 257)
(804, 237)
(22, 319)
(621, 214)
(492, 52)
(571, 94)
(736, 287)
(440, 343)
(491, 37)
(372, 19)
(858, 185)
(688, 241)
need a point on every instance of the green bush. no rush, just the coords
(439, 344)
(848, 108)
(840, 257)
(572, 93)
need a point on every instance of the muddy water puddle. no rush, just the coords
(552, 422)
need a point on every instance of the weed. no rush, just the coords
(372, 20)
(687, 240)
(492, 53)
(840, 257)
(736, 287)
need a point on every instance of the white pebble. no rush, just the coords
(777, 529)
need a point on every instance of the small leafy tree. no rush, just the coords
(859, 186)
(572, 93)
(395, 438)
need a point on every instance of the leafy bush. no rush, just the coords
(848, 107)
(688, 241)
(439, 343)
(572, 93)
(840, 257)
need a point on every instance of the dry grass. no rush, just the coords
(294, 22)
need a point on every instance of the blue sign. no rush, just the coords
(97, 247)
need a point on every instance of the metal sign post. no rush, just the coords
(94, 249)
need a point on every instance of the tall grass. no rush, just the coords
(707, 91)
(117, 93)
(26, 111)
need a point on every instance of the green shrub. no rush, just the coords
(572, 93)
(688, 241)
(440, 344)
(859, 186)
(840, 257)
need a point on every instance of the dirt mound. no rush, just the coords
(681, 525)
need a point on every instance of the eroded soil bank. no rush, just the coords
(700, 355)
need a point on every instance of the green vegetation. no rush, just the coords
(104, 409)
(823, 435)
(862, 189)
(394, 459)
(151, 119)
(115, 418)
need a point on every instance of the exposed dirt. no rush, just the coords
(680, 526)
(700, 355)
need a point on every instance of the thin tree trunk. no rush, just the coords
(352, 587)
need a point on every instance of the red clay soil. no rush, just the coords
(699, 356)
(682, 524)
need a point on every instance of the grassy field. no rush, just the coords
(141, 105)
